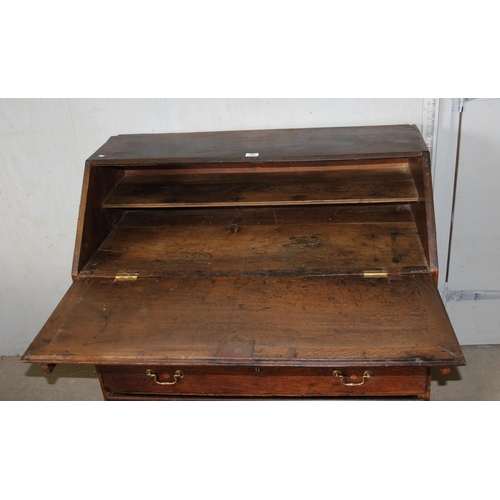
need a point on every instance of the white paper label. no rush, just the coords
(252, 154)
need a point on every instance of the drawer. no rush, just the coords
(248, 381)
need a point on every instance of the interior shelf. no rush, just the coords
(322, 241)
(163, 190)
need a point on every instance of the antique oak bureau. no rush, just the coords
(252, 264)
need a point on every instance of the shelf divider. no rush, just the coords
(333, 187)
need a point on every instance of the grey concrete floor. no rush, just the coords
(478, 381)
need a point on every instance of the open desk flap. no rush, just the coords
(282, 321)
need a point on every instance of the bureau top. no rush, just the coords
(276, 145)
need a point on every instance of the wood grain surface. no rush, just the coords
(301, 144)
(379, 185)
(266, 382)
(321, 321)
(322, 240)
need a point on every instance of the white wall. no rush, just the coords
(43, 147)
(474, 267)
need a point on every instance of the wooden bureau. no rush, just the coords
(255, 264)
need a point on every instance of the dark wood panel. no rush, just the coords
(321, 214)
(272, 145)
(231, 242)
(229, 167)
(94, 223)
(423, 212)
(322, 321)
(239, 189)
(263, 381)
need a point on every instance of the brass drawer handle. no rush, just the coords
(177, 375)
(366, 375)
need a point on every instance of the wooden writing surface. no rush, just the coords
(306, 321)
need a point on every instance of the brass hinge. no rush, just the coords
(126, 276)
(375, 274)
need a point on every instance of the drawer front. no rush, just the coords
(262, 381)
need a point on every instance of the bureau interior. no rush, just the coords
(211, 220)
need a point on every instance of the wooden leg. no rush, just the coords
(48, 368)
(427, 395)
